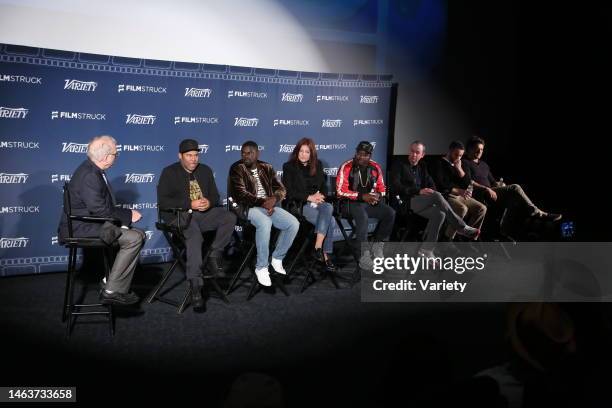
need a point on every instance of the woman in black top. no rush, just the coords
(304, 180)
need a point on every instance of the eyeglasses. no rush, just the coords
(116, 154)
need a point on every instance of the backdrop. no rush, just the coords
(53, 102)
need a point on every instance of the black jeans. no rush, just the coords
(361, 211)
(216, 218)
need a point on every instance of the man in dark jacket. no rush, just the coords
(91, 195)
(255, 192)
(455, 184)
(190, 185)
(413, 187)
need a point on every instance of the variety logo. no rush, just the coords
(367, 122)
(332, 98)
(368, 99)
(21, 79)
(149, 234)
(290, 97)
(203, 148)
(141, 88)
(72, 147)
(139, 178)
(77, 115)
(286, 148)
(246, 94)
(19, 145)
(16, 178)
(246, 122)
(331, 123)
(20, 209)
(76, 85)
(198, 92)
(13, 113)
(14, 242)
(135, 119)
(195, 120)
(291, 122)
(140, 148)
(139, 206)
(330, 171)
(60, 177)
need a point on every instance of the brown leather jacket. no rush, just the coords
(242, 186)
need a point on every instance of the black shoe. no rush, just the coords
(197, 301)
(329, 266)
(318, 255)
(214, 264)
(117, 298)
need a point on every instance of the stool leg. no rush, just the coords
(67, 288)
(71, 275)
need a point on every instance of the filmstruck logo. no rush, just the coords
(20, 209)
(13, 178)
(246, 94)
(195, 120)
(198, 92)
(332, 98)
(368, 99)
(138, 178)
(19, 145)
(71, 147)
(83, 86)
(13, 113)
(291, 122)
(140, 148)
(246, 122)
(21, 242)
(134, 119)
(21, 79)
(290, 97)
(331, 123)
(139, 206)
(141, 89)
(60, 177)
(367, 122)
(77, 115)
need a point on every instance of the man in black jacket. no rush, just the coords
(191, 186)
(91, 195)
(411, 183)
(455, 184)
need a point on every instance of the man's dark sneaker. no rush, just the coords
(117, 298)
(197, 301)
(547, 216)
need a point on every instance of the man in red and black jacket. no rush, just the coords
(360, 181)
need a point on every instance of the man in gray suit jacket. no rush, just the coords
(91, 195)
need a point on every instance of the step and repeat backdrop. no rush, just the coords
(53, 102)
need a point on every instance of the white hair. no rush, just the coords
(100, 146)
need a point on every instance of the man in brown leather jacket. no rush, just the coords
(254, 194)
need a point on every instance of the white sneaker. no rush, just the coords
(263, 276)
(277, 264)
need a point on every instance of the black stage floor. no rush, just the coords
(322, 347)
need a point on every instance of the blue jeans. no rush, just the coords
(281, 219)
(321, 218)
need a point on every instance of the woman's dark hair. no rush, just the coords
(312, 163)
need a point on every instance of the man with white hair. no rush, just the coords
(91, 195)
